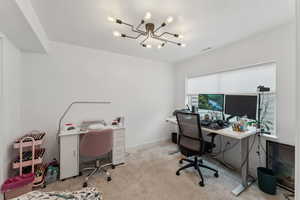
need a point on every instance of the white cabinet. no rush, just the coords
(69, 156)
(69, 150)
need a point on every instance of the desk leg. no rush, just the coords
(245, 183)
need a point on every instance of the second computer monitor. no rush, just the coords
(241, 105)
(213, 102)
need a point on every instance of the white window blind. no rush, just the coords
(243, 80)
(203, 84)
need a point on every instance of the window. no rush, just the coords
(240, 81)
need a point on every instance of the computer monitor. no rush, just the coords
(213, 102)
(241, 105)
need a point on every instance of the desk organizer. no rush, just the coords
(28, 160)
(36, 135)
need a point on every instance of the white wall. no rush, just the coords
(275, 45)
(298, 102)
(1, 115)
(10, 102)
(141, 90)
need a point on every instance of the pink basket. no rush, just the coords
(17, 181)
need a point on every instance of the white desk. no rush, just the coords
(69, 150)
(244, 138)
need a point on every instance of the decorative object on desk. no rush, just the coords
(116, 121)
(119, 121)
(206, 117)
(240, 126)
(96, 126)
(93, 124)
(69, 126)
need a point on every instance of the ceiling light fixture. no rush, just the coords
(150, 31)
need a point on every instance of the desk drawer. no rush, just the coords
(120, 139)
(118, 153)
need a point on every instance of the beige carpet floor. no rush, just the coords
(149, 174)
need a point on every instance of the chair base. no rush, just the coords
(96, 169)
(196, 163)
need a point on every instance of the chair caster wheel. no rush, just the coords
(180, 161)
(216, 175)
(201, 183)
(85, 184)
(108, 179)
(177, 173)
(113, 166)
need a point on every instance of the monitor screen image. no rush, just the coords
(213, 102)
(241, 105)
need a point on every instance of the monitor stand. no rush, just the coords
(230, 117)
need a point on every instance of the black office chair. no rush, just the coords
(191, 143)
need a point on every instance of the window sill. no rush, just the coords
(274, 137)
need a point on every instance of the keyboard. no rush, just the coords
(205, 123)
(215, 125)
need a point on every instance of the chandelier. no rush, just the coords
(149, 31)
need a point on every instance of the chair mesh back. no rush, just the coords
(96, 143)
(190, 131)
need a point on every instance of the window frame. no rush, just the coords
(273, 133)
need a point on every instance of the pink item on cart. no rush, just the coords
(17, 181)
(18, 185)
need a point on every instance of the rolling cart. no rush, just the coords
(33, 157)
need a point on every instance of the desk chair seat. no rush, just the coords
(191, 143)
(95, 144)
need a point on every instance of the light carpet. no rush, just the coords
(149, 174)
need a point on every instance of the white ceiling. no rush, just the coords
(204, 23)
(16, 18)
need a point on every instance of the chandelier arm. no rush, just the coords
(133, 29)
(139, 30)
(132, 37)
(141, 23)
(142, 42)
(165, 40)
(164, 33)
(157, 28)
